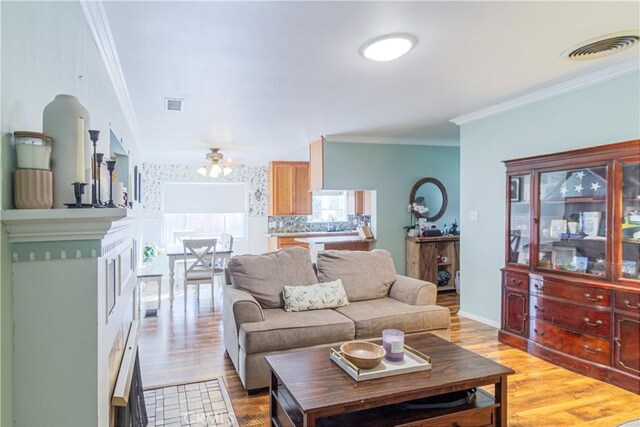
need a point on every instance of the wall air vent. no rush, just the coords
(602, 46)
(173, 104)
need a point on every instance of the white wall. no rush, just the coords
(605, 113)
(45, 46)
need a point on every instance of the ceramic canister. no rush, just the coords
(60, 120)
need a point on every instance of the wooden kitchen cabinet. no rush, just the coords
(363, 203)
(289, 191)
(316, 164)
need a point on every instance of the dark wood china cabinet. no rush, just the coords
(571, 281)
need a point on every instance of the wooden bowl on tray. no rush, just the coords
(363, 354)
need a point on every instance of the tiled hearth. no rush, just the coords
(198, 404)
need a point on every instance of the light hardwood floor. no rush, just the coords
(178, 348)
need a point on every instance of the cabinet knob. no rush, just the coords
(597, 298)
(628, 305)
(588, 349)
(596, 324)
(516, 282)
(539, 286)
(541, 310)
(538, 332)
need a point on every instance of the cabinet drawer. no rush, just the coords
(627, 301)
(571, 316)
(576, 293)
(516, 281)
(586, 347)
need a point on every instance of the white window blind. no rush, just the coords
(195, 198)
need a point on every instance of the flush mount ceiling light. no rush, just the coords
(602, 46)
(217, 165)
(389, 47)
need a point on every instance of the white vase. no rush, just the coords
(60, 120)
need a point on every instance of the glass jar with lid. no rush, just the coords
(33, 150)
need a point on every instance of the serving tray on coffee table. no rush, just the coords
(414, 361)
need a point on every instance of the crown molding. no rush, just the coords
(609, 73)
(98, 22)
(364, 139)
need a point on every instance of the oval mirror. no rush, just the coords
(428, 199)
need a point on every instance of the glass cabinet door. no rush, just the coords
(572, 220)
(519, 211)
(630, 222)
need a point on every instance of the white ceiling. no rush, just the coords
(262, 79)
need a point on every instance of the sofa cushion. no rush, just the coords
(264, 276)
(365, 275)
(314, 297)
(283, 330)
(373, 316)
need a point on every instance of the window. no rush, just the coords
(329, 206)
(191, 210)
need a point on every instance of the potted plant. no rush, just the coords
(149, 252)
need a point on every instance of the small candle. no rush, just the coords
(80, 151)
(393, 343)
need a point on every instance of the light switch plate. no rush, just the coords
(473, 215)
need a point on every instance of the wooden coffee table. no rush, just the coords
(308, 389)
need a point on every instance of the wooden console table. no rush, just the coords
(422, 258)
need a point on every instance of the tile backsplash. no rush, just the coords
(301, 224)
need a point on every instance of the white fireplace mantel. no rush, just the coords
(48, 225)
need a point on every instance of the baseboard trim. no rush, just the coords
(479, 319)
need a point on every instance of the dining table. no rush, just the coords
(175, 252)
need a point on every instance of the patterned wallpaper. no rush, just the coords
(153, 175)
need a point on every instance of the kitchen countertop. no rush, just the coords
(332, 239)
(314, 233)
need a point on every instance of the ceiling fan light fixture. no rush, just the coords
(226, 170)
(202, 171)
(388, 47)
(215, 171)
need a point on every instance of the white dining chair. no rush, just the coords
(199, 267)
(225, 244)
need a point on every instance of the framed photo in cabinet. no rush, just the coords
(514, 189)
(629, 269)
(562, 258)
(558, 227)
(580, 264)
(591, 223)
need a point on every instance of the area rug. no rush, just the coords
(205, 403)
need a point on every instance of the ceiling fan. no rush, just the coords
(217, 165)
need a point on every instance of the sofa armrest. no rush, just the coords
(413, 291)
(240, 307)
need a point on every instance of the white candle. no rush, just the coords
(118, 193)
(80, 152)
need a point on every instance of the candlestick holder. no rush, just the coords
(78, 191)
(99, 158)
(111, 166)
(93, 136)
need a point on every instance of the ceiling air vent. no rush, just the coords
(173, 104)
(602, 46)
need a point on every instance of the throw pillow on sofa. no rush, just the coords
(365, 275)
(315, 297)
(264, 276)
